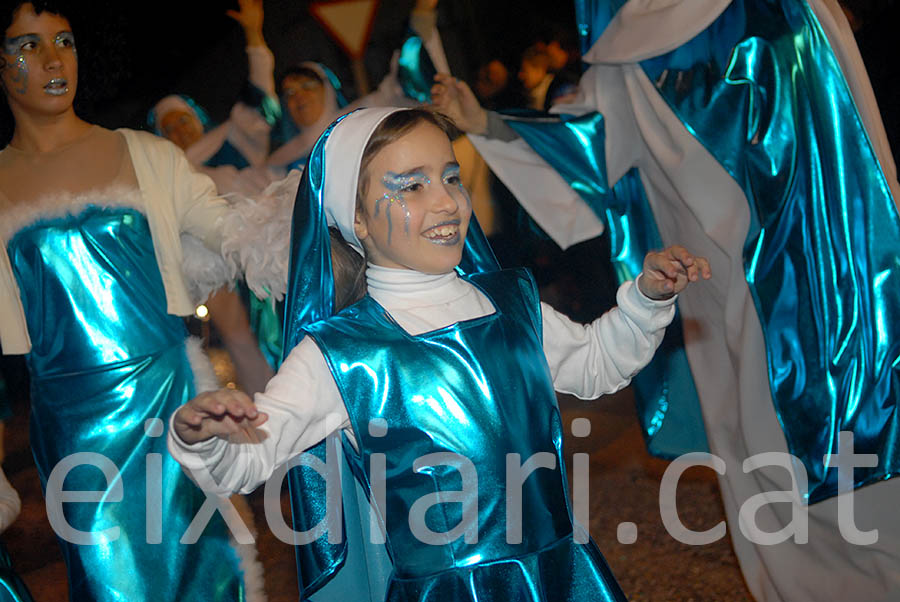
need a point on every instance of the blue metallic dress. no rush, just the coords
(108, 366)
(437, 395)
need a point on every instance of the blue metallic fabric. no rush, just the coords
(108, 367)
(415, 71)
(667, 402)
(592, 18)
(435, 393)
(309, 299)
(12, 588)
(762, 90)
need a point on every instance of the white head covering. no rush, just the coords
(300, 145)
(343, 154)
(170, 103)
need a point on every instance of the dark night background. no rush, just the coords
(133, 53)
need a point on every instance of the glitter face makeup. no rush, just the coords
(416, 176)
(451, 177)
(17, 46)
(41, 58)
(65, 39)
(397, 184)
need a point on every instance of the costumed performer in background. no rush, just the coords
(91, 288)
(750, 130)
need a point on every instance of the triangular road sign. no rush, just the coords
(349, 22)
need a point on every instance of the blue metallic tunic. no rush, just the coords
(479, 389)
(108, 366)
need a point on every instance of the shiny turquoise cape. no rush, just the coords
(443, 412)
(108, 367)
(762, 90)
(667, 403)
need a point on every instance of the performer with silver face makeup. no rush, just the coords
(91, 288)
(445, 355)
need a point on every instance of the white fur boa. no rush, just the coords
(257, 236)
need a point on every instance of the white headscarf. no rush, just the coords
(300, 145)
(343, 155)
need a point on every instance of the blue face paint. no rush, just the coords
(21, 76)
(451, 177)
(65, 39)
(397, 184)
(16, 47)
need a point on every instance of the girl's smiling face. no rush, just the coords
(415, 212)
(40, 67)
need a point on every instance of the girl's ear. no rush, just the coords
(360, 228)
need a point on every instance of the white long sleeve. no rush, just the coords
(602, 357)
(304, 405)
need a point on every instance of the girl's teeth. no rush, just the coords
(443, 231)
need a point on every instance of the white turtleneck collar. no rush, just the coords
(421, 302)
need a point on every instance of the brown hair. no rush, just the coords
(349, 270)
(392, 128)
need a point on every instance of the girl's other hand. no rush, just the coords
(668, 272)
(223, 413)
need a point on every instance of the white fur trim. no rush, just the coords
(204, 271)
(204, 376)
(249, 564)
(256, 237)
(19, 215)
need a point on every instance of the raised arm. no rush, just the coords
(261, 62)
(603, 356)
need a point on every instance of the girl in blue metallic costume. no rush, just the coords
(437, 377)
(91, 288)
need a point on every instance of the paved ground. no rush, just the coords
(624, 488)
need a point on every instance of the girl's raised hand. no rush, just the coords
(221, 413)
(668, 272)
